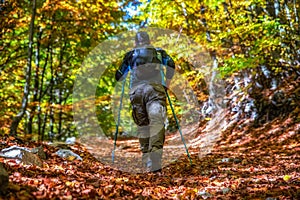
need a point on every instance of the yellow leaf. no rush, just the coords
(71, 158)
(43, 25)
(287, 177)
(68, 183)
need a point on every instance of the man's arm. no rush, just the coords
(124, 68)
(169, 62)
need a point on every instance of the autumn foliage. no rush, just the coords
(254, 46)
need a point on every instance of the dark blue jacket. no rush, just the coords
(132, 61)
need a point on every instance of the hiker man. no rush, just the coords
(147, 96)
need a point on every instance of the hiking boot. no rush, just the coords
(156, 161)
(146, 163)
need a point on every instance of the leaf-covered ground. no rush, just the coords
(247, 163)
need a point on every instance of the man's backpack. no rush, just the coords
(145, 63)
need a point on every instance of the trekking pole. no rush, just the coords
(179, 128)
(118, 121)
(174, 114)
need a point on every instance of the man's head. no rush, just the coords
(142, 38)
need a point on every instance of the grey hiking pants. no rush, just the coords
(149, 113)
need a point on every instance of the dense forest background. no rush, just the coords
(43, 44)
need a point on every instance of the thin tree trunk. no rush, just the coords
(40, 127)
(44, 126)
(296, 16)
(60, 93)
(51, 100)
(19, 116)
(43, 122)
(59, 129)
(288, 14)
(36, 83)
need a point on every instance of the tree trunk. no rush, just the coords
(36, 83)
(51, 100)
(19, 116)
(43, 128)
(42, 121)
(296, 16)
(60, 92)
(41, 94)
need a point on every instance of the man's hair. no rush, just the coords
(142, 38)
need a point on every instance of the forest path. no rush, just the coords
(245, 163)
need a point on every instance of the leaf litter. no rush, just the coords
(253, 169)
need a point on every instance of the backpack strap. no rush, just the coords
(163, 59)
(163, 62)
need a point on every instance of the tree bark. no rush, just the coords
(296, 16)
(19, 116)
(60, 90)
(51, 100)
(36, 83)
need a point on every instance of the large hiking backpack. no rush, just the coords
(146, 63)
